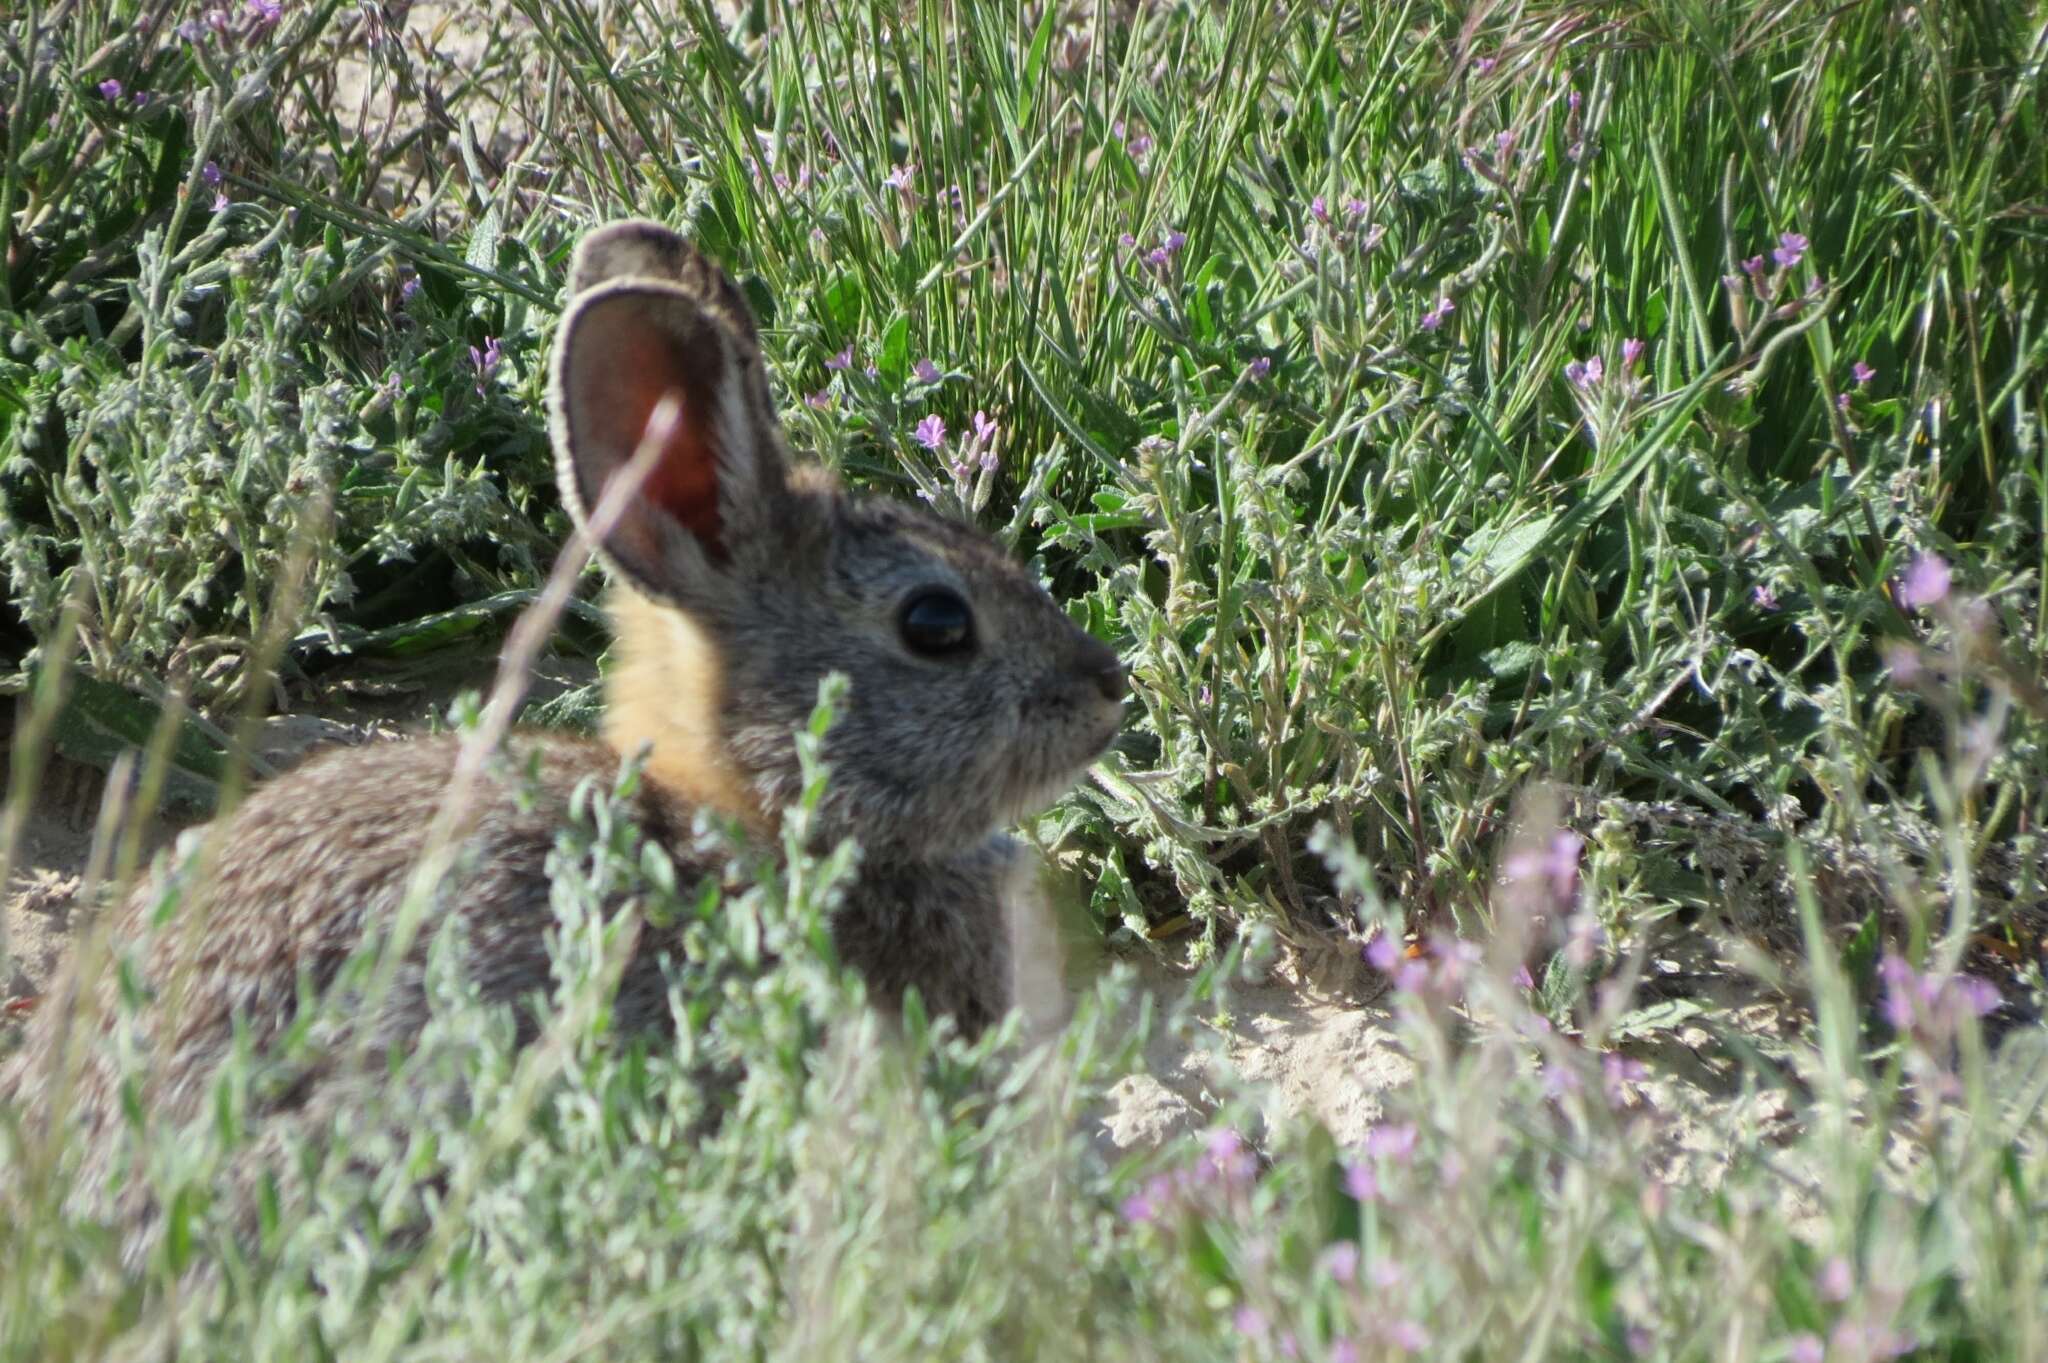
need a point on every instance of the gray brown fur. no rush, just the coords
(725, 643)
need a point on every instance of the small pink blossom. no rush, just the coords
(1836, 1280)
(1361, 1182)
(931, 433)
(1394, 1142)
(1790, 250)
(1862, 373)
(1407, 1336)
(267, 12)
(1926, 582)
(110, 89)
(485, 361)
(926, 371)
(1805, 1347)
(1437, 315)
(843, 360)
(1631, 351)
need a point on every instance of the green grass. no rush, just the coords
(1382, 570)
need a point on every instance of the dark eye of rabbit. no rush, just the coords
(936, 623)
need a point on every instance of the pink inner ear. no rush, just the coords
(684, 480)
(626, 380)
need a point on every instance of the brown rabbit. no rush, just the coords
(742, 581)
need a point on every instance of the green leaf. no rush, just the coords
(893, 364)
(483, 242)
(100, 721)
(840, 302)
(1034, 63)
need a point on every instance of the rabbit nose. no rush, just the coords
(1096, 660)
(1113, 681)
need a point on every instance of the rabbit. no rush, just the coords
(740, 580)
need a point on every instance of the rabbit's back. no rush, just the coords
(311, 867)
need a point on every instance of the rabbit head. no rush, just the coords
(745, 580)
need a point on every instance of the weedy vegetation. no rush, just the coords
(1569, 481)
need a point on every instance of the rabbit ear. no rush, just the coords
(639, 249)
(719, 476)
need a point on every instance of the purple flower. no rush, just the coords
(210, 172)
(1407, 1335)
(1836, 1281)
(931, 433)
(1632, 350)
(1903, 662)
(1435, 317)
(1361, 1182)
(1573, 99)
(110, 89)
(1139, 147)
(1925, 583)
(1226, 1160)
(1319, 209)
(1344, 1350)
(1159, 258)
(1260, 367)
(1765, 598)
(899, 177)
(1790, 250)
(1862, 373)
(410, 287)
(1384, 952)
(486, 361)
(1126, 240)
(1249, 1320)
(819, 400)
(1395, 1142)
(926, 371)
(1617, 1071)
(267, 12)
(1805, 1347)
(1586, 376)
(221, 202)
(1355, 208)
(1977, 994)
(190, 30)
(1554, 864)
(1753, 267)
(1841, 402)
(1174, 241)
(141, 98)
(1340, 1261)
(843, 360)
(217, 20)
(1484, 65)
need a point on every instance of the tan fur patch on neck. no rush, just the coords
(667, 689)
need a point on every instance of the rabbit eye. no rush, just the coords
(937, 624)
